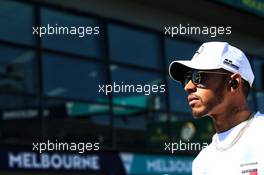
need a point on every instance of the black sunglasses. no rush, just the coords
(199, 78)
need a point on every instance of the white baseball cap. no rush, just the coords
(214, 55)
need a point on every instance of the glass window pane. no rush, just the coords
(130, 132)
(179, 49)
(250, 101)
(140, 131)
(134, 47)
(18, 70)
(73, 78)
(260, 101)
(157, 131)
(19, 120)
(192, 131)
(16, 21)
(78, 122)
(258, 69)
(137, 122)
(137, 88)
(178, 97)
(78, 40)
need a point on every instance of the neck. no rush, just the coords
(230, 118)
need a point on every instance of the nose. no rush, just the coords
(190, 87)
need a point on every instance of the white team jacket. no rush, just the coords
(246, 157)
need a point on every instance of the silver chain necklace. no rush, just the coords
(249, 120)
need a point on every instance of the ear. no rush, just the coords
(235, 82)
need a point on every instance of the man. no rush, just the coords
(218, 80)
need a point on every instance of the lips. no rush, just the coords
(192, 99)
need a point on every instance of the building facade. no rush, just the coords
(97, 72)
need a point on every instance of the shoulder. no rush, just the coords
(256, 130)
(200, 163)
(259, 116)
(203, 156)
(258, 121)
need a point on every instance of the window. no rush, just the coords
(134, 46)
(251, 101)
(16, 21)
(178, 97)
(260, 101)
(72, 78)
(20, 119)
(131, 129)
(73, 121)
(158, 131)
(18, 70)
(179, 50)
(141, 131)
(192, 131)
(258, 69)
(138, 88)
(78, 43)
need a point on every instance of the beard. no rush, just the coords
(206, 107)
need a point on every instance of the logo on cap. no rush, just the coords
(230, 63)
(199, 51)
